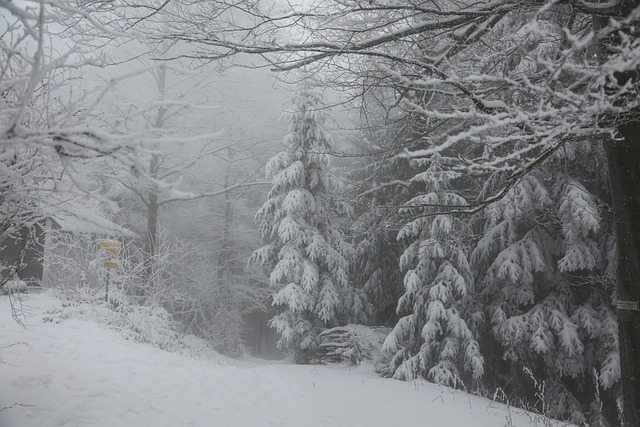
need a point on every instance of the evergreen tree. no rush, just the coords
(542, 267)
(306, 252)
(434, 339)
(381, 183)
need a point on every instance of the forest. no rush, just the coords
(459, 179)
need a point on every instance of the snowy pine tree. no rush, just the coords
(434, 338)
(306, 253)
(542, 266)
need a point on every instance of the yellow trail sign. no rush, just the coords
(110, 264)
(112, 247)
(110, 244)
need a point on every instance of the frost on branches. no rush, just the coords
(306, 251)
(45, 131)
(377, 251)
(434, 339)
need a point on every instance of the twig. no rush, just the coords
(15, 404)
(15, 343)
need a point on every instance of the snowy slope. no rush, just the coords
(78, 373)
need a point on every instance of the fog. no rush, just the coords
(440, 192)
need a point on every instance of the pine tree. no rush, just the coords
(435, 339)
(542, 266)
(381, 183)
(307, 253)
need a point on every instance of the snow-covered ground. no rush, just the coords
(79, 373)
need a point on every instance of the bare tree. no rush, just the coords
(44, 126)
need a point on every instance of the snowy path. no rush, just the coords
(80, 374)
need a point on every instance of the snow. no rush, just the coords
(79, 373)
(81, 216)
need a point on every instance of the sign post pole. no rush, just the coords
(106, 289)
(112, 249)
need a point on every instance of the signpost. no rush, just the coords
(112, 249)
(627, 305)
(110, 265)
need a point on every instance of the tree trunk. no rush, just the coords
(225, 257)
(624, 169)
(153, 205)
(151, 240)
(227, 318)
(623, 158)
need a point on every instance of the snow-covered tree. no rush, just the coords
(306, 253)
(435, 339)
(545, 265)
(45, 111)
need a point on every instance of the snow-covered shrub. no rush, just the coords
(144, 324)
(74, 260)
(75, 264)
(14, 286)
(153, 325)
